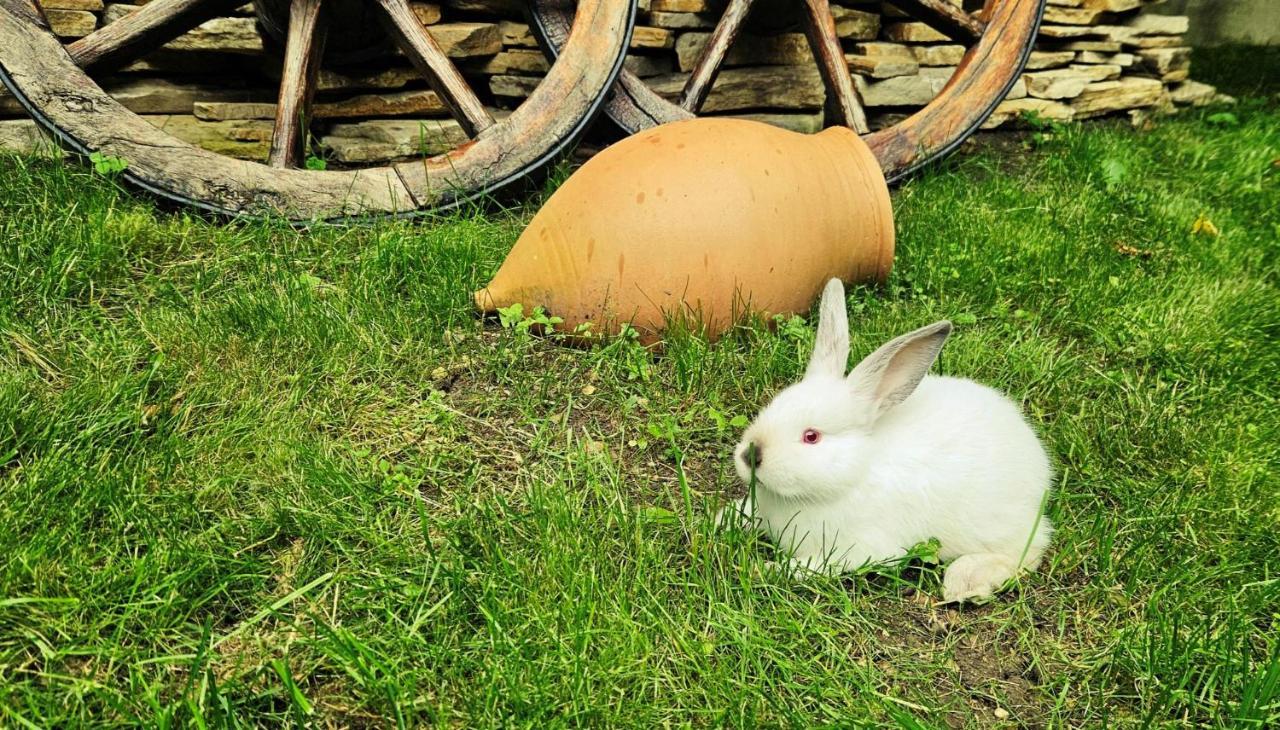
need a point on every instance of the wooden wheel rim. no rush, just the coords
(985, 74)
(62, 98)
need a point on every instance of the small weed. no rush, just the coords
(108, 165)
(1044, 130)
(1223, 119)
(513, 318)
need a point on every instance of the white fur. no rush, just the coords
(902, 457)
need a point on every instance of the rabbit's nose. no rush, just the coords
(751, 455)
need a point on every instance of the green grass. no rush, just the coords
(256, 476)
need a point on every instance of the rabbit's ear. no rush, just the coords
(831, 346)
(887, 376)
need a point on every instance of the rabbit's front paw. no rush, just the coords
(976, 577)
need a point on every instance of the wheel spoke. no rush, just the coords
(948, 18)
(843, 106)
(427, 56)
(303, 48)
(144, 30)
(707, 67)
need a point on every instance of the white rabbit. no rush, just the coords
(858, 469)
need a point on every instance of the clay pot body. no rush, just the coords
(703, 219)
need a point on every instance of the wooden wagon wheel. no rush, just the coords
(51, 83)
(1000, 39)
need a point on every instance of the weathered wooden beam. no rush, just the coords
(426, 55)
(843, 107)
(145, 30)
(941, 14)
(303, 47)
(707, 67)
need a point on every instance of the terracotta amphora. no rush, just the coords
(701, 220)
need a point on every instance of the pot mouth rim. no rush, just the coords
(863, 158)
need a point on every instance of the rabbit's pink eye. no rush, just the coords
(811, 436)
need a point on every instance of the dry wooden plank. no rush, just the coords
(707, 67)
(842, 103)
(137, 33)
(946, 17)
(427, 56)
(303, 48)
